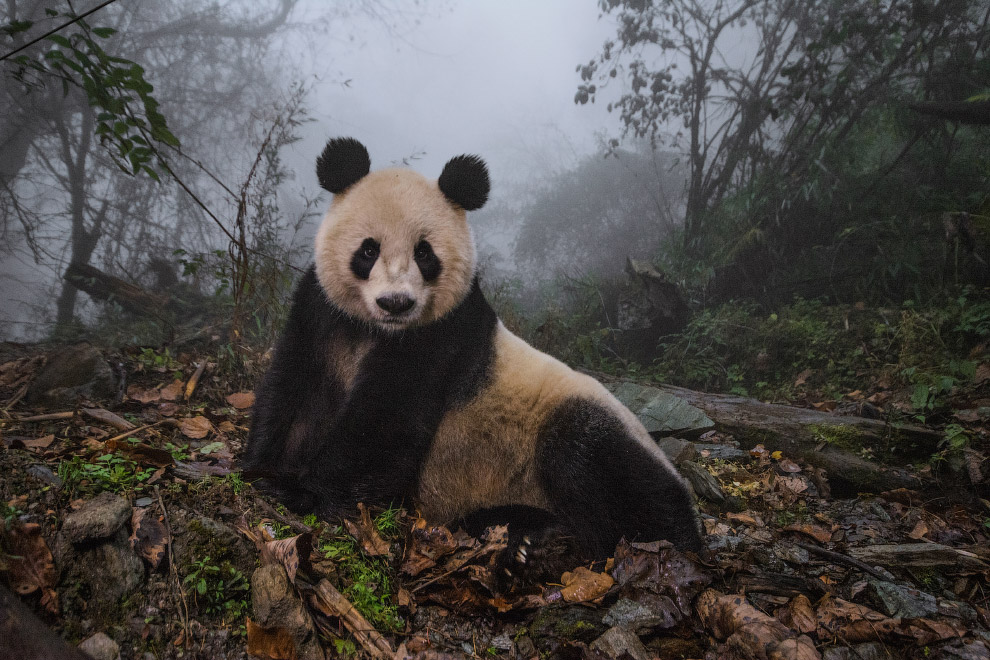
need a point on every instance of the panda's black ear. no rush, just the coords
(343, 163)
(464, 181)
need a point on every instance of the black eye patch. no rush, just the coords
(429, 264)
(364, 258)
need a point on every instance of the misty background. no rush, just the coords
(651, 162)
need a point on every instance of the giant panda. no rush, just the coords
(394, 381)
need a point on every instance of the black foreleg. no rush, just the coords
(605, 485)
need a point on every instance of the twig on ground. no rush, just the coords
(47, 417)
(331, 602)
(840, 558)
(194, 379)
(184, 611)
(126, 434)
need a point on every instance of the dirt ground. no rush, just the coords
(127, 528)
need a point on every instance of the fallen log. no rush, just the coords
(823, 439)
(108, 288)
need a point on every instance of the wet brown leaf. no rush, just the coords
(37, 444)
(787, 465)
(168, 409)
(195, 427)
(269, 643)
(172, 391)
(583, 585)
(30, 564)
(820, 534)
(799, 615)
(148, 538)
(367, 536)
(851, 622)
(292, 553)
(241, 400)
(427, 545)
(920, 530)
(142, 395)
(660, 578)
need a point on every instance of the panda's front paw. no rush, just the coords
(531, 559)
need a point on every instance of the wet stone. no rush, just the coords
(99, 518)
(100, 647)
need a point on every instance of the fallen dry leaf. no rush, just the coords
(195, 427)
(366, 534)
(30, 566)
(241, 400)
(820, 534)
(787, 465)
(920, 530)
(36, 444)
(660, 578)
(799, 615)
(583, 585)
(750, 631)
(851, 622)
(802, 377)
(168, 409)
(270, 643)
(292, 553)
(427, 545)
(148, 538)
(142, 395)
(172, 391)
(745, 518)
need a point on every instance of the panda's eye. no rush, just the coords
(364, 258)
(426, 259)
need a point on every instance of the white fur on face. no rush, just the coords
(396, 208)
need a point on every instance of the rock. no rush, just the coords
(660, 412)
(571, 623)
(100, 647)
(43, 473)
(677, 450)
(94, 556)
(705, 485)
(723, 452)
(867, 651)
(617, 642)
(632, 616)
(98, 518)
(898, 600)
(73, 373)
(277, 605)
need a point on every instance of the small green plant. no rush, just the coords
(367, 581)
(111, 472)
(387, 522)
(310, 520)
(235, 481)
(149, 358)
(221, 589)
(345, 647)
(179, 452)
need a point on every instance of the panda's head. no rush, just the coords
(394, 249)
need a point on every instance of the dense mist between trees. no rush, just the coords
(753, 149)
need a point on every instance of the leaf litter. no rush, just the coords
(788, 571)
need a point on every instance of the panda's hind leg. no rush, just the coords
(604, 484)
(539, 547)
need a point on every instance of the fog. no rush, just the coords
(417, 84)
(171, 146)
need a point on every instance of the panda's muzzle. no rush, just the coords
(395, 303)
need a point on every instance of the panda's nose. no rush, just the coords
(395, 303)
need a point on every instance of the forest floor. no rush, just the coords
(127, 528)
